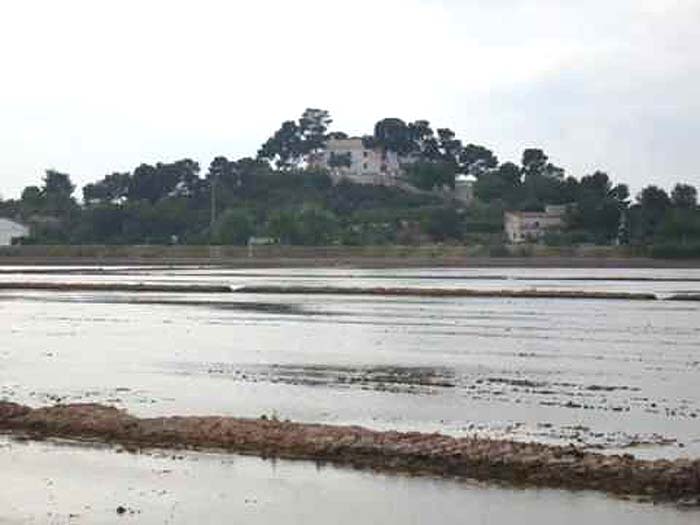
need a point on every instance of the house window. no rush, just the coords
(364, 166)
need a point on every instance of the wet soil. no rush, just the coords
(114, 287)
(444, 292)
(525, 464)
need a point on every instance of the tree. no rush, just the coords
(450, 146)
(443, 223)
(534, 162)
(653, 205)
(32, 198)
(282, 225)
(221, 169)
(680, 224)
(284, 148)
(316, 226)
(684, 196)
(145, 184)
(654, 199)
(235, 226)
(295, 141)
(100, 223)
(175, 179)
(543, 181)
(600, 207)
(313, 125)
(111, 189)
(477, 160)
(58, 184)
(501, 184)
(392, 134)
(57, 191)
(427, 175)
(621, 193)
(423, 140)
(597, 185)
(180, 177)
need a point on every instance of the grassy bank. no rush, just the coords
(338, 256)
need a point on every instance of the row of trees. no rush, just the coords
(277, 195)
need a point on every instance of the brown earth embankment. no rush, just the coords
(324, 290)
(525, 464)
(444, 292)
(114, 287)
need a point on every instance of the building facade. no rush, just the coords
(10, 231)
(464, 188)
(350, 159)
(527, 226)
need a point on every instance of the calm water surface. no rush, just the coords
(609, 375)
(59, 483)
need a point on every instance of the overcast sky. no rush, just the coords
(90, 87)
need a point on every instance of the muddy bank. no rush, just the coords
(524, 464)
(333, 290)
(444, 292)
(115, 287)
(685, 297)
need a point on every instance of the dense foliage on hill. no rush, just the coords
(277, 196)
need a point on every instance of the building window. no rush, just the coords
(364, 166)
(365, 154)
(383, 168)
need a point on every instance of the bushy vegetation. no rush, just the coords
(278, 196)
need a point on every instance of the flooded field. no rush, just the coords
(62, 483)
(615, 375)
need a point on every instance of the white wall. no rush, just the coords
(11, 230)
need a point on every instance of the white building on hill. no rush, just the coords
(10, 230)
(464, 188)
(350, 159)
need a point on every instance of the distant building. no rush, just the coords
(528, 226)
(349, 158)
(464, 188)
(11, 231)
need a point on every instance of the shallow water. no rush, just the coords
(54, 482)
(607, 374)
(612, 375)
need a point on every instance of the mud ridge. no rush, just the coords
(685, 297)
(523, 464)
(443, 292)
(115, 287)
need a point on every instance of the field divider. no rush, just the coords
(443, 292)
(414, 453)
(115, 287)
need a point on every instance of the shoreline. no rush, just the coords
(413, 453)
(446, 293)
(357, 262)
(392, 256)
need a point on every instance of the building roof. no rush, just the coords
(8, 223)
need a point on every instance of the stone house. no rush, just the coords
(349, 158)
(527, 226)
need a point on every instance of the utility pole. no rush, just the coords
(213, 204)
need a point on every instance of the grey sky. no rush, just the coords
(90, 87)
